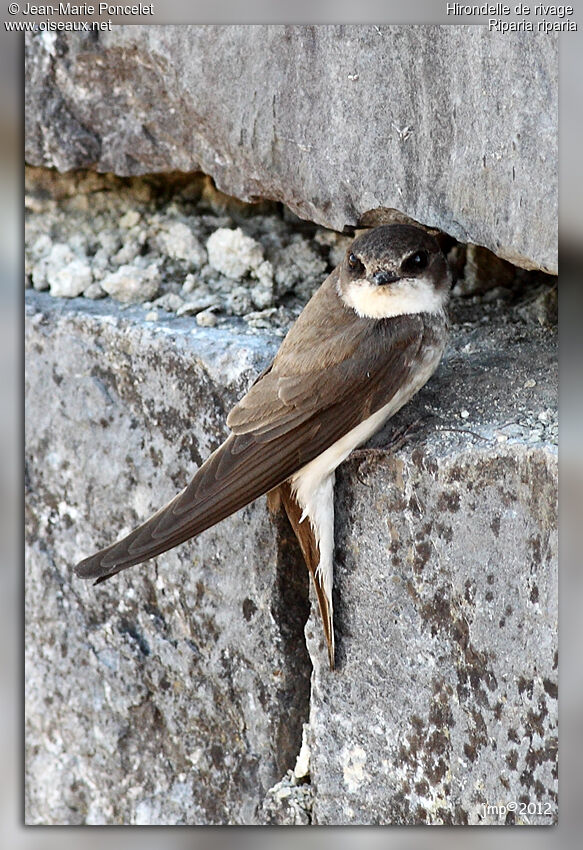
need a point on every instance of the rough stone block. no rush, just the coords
(454, 126)
(446, 698)
(176, 692)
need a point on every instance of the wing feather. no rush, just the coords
(285, 421)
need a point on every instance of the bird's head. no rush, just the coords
(394, 270)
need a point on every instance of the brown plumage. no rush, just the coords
(334, 369)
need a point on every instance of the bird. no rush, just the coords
(369, 338)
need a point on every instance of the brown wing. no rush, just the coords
(328, 354)
(308, 413)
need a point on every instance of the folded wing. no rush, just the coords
(286, 420)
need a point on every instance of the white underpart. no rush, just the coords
(404, 297)
(313, 484)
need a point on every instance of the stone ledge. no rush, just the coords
(453, 126)
(176, 693)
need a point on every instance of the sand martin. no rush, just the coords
(365, 343)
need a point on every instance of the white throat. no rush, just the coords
(404, 297)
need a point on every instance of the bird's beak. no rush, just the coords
(381, 278)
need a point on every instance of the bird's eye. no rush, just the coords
(415, 262)
(354, 263)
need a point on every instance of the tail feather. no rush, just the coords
(311, 552)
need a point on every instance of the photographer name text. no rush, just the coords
(86, 9)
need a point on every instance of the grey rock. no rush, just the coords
(206, 318)
(50, 264)
(262, 319)
(197, 303)
(233, 254)
(42, 246)
(145, 243)
(39, 275)
(288, 803)
(110, 242)
(94, 291)
(454, 126)
(262, 292)
(238, 301)
(190, 284)
(179, 242)
(262, 296)
(448, 619)
(130, 250)
(298, 266)
(130, 219)
(176, 693)
(35, 260)
(71, 280)
(169, 302)
(131, 284)
(60, 266)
